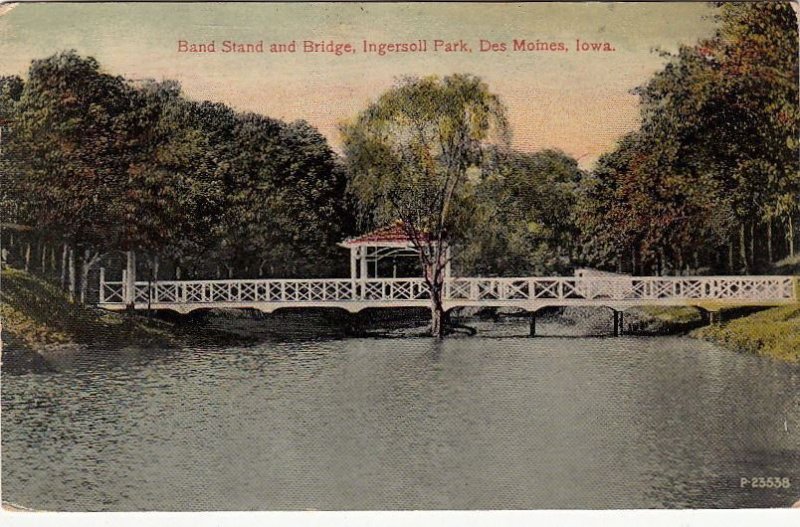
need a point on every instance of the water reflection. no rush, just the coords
(468, 423)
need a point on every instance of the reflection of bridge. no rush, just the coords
(617, 292)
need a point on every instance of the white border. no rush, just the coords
(650, 518)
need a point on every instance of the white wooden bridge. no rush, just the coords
(532, 293)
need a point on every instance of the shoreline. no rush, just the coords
(773, 333)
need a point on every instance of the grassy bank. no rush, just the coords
(772, 333)
(38, 316)
(789, 265)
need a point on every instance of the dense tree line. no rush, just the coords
(97, 165)
(711, 180)
(709, 183)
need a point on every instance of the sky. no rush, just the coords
(579, 102)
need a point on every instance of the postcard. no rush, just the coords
(399, 256)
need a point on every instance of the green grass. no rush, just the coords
(673, 314)
(772, 333)
(36, 314)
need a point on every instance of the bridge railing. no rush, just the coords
(234, 291)
(465, 290)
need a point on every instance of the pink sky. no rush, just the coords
(578, 102)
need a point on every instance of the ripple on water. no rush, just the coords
(467, 423)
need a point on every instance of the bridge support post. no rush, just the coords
(619, 323)
(711, 318)
(532, 324)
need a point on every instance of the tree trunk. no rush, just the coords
(156, 263)
(730, 257)
(27, 257)
(790, 236)
(53, 260)
(44, 258)
(752, 245)
(743, 249)
(660, 263)
(433, 275)
(769, 241)
(85, 263)
(438, 325)
(177, 272)
(71, 275)
(130, 281)
(64, 253)
(230, 271)
(437, 320)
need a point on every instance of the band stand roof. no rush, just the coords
(389, 236)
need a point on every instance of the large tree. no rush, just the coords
(10, 194)
(70, 147)
(411, 154)
(286, 210)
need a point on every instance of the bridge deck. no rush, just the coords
(618, 292)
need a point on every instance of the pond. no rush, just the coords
(495, 421)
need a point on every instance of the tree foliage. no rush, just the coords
(710, 181)
(716, 158)
(411, 155)
(105, 165)
(526, 215)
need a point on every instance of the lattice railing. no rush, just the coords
(112, 293)
(466, 290)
